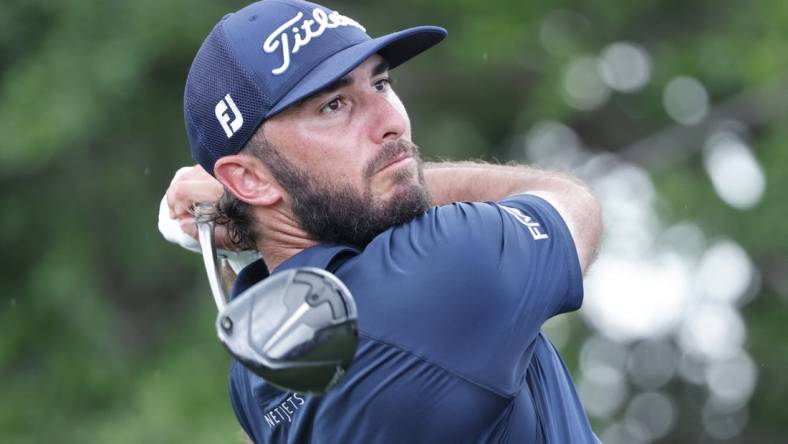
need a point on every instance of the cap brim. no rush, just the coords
(396, 48)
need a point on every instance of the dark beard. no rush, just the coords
(337, 213)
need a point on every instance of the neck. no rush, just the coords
(281, 236)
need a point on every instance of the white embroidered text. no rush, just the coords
(284, 411)
(303, 33)
(533, 226)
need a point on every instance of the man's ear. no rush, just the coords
(248, 179)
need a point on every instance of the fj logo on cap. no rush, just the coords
(303, 34)
(231, 124)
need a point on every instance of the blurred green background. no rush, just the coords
(674, 112)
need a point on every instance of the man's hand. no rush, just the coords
(189, 186)
(176, 219)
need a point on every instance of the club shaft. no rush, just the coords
(205, 232)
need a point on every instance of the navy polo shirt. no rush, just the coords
(450, 307)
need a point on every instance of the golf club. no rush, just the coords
(297, 329)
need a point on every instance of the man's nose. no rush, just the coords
(387, 120)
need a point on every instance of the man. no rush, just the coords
(454, 267)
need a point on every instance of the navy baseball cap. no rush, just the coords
(260, 60)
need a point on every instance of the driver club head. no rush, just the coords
(297, 329)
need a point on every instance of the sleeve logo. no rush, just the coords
(230, 123)
(533, 226)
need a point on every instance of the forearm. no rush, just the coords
(476, 182)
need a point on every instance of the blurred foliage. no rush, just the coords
(108, 330)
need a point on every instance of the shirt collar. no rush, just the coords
(319, 256)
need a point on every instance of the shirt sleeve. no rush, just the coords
(476, 281)
(555, 253)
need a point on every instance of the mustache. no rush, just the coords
(388, 152)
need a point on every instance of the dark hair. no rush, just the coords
(237, 217)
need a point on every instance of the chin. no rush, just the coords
(405, 182)
(402, 184)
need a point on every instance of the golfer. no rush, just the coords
(308, 152)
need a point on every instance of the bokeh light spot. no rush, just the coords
(652, 415)
(712, 330)
(625, 67)
(686, 100)
(584, 89)
(725, 272)
(736, 175)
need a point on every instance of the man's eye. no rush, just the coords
(382, 84)
(332, 106)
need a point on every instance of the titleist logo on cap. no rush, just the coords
(303, 33)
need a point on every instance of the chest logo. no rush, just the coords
(284, 412)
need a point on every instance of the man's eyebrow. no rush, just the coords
(328, 89)
(340, 83)
(333, 86)
(380, 68)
